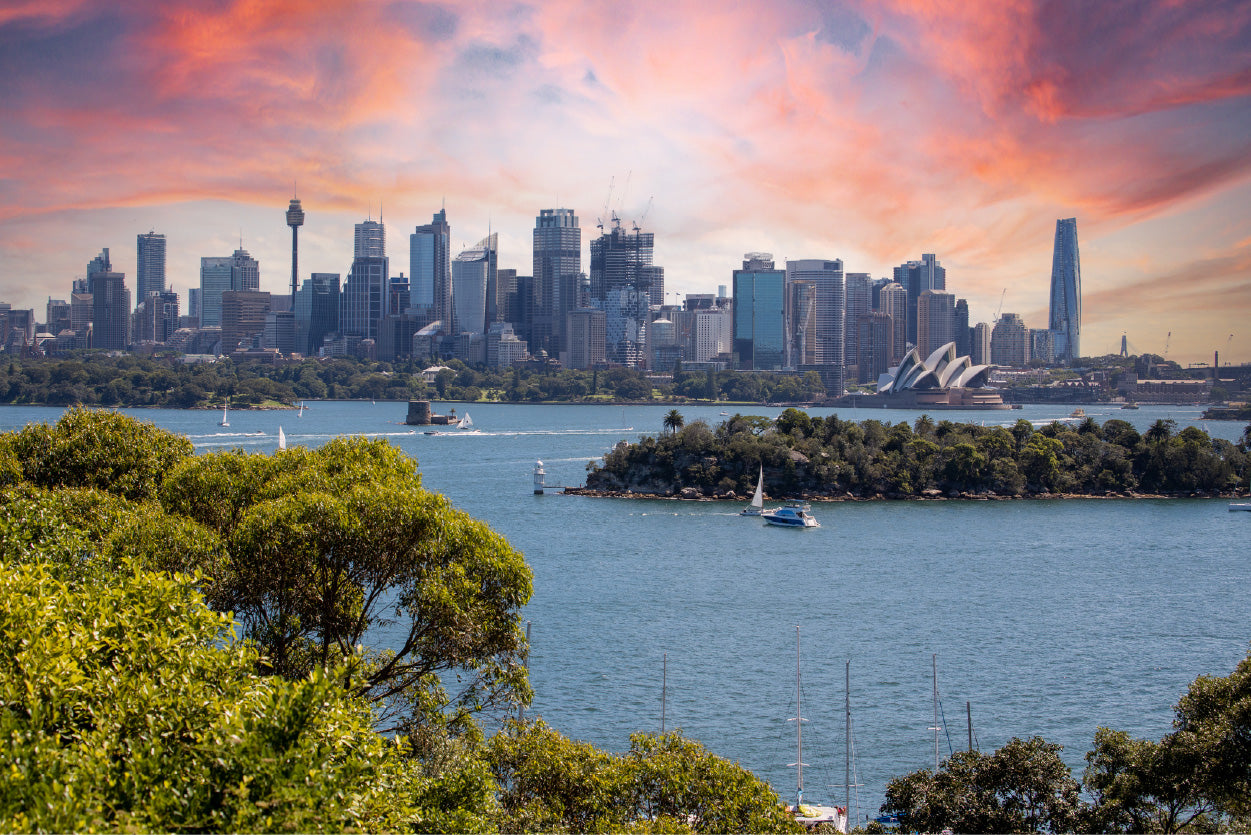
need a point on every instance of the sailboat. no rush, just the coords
(809, 815)
(757, 499)
(282, 439)
(225, 421)
(465, 422)
(300, 413)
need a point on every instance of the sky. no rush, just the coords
(867, 131)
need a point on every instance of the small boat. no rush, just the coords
(465, 422)
(793, 515)
(1079, 413)
(225, 421)
(1240, 506)
(1129, 406)
(757, 500)
(282, 439)
(300, 413)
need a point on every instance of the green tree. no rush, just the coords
(663, 784)
(101, 449)
(325, 545)
(130, 706)
(1022, 787)
(674, 421)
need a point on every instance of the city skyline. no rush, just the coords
(865, 133)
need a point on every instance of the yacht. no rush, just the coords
(793, 515)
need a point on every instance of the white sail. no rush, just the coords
(282, 439)
(225, 421)
(757, 499)
(465, 422)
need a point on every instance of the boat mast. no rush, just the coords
(847, 754)
(664, 684)
(799, 727)
(934, 666)
(968, 709)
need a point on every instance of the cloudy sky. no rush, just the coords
(870, 132)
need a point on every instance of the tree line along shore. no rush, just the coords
(826, 458)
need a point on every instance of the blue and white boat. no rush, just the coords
(793, 515)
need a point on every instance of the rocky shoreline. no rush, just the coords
(691, 494)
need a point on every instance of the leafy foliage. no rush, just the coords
(129, 706)
(663, 784)
(1022, 787)
(806, 456)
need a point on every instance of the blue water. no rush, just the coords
(1049, 617)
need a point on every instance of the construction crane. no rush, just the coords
(607, 201)
(1167, 340)
(999, 309)
(643, 218)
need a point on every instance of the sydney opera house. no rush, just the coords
(941, 380)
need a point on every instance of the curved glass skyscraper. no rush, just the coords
(1066, 292)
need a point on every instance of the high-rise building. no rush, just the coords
(110, 311)
(245, 271)
(801, 323)
(365, 293)
(873, 341)
(243, 319)
(859, 302)
(430, 270)
(1009, 341)
(316, 312)
(759, 340)
(714, 329)
(621, 287)
(893, 301)
(936, 319)
(964, 334)
(58, 316)
(1066, 292)
(556, 277)
(215, 279)
(979, 351)
(916, 277)
(149, 265)
(587, 337)
(472, 283)
(829, 339)
(1042, 345)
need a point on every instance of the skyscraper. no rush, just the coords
(1009, 341)
(110, 313)
(1066, 292)
(430, 270)
(364, 296)
(759, 341)
(215, 276)
(936, 319)
(316, 312)
(149, 266)
(621, 287)
(557, 264)
(245, 271)
(916, 277)
(893, 301)
(471, 283)
(829, 338)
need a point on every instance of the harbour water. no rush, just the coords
(1050, 618)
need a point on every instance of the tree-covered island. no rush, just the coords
(816, 458)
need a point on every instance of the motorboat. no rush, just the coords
(1078, 413)
(1130, 406)
(1240, 506)
(756, 508)
(792, 515)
